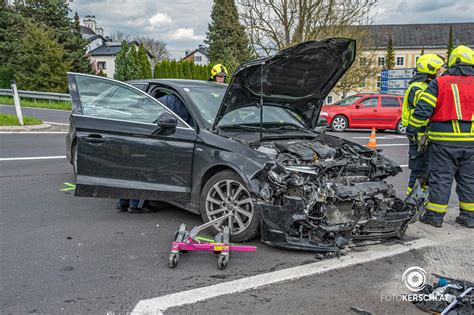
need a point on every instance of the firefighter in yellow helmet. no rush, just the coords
(218, 73)
(428, 67)
(448, 103)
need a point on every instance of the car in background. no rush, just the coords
(365, 111)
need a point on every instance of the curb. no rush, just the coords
(25, 128)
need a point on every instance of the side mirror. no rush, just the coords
(358, 106)
(167, 121)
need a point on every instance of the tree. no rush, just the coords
(11, 25)
(155, 46)
(277, 24)
(134, 61)
(39, 65)
(228, 43)
(390, 55)
(54, 15)
(122, 65)
(145, 65)
(450, 43)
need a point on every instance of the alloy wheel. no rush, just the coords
(230, 196)
(339, 124)
(401, 129)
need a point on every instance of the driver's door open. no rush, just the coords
(120, 154)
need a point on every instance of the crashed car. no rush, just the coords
(251, 149)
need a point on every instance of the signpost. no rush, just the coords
(395, 81)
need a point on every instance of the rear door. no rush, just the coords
(120, 153)
(364, 112)
(390, 111)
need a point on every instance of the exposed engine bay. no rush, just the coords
(321, 194)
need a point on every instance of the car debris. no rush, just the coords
(451, 296)
(321, 194)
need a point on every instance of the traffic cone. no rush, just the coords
(372, 143)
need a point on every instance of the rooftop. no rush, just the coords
(422, 35)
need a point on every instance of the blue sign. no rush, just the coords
(395, 80)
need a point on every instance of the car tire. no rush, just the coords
(246, 223)
(339, 123)
(399, 128)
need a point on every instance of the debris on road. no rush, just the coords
(451, 296)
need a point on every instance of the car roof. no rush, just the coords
(180, 82)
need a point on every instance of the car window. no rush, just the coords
(348, 100)
(390, 102)
(110, 99)
(271, 115)
(207, 99)
(369, 102)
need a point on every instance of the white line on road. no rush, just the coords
(383, 137)
(32, 158)
(32, 132)
(160, 304)
(391, 144)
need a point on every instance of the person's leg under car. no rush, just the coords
(465, 187)
(442, 168)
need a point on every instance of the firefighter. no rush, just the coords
(448, 102)
(218, 73)
(428, 67)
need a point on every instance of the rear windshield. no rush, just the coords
(348, 100)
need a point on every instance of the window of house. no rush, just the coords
(390, 102)
(400, 61)
(381, 61)
(363, 61)
(379, 78)
(198, 58)
(329, 99)
(101, 65)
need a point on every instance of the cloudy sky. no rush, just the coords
(183, 23)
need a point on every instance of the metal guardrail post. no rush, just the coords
(16, 100)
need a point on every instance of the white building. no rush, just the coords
(199, 56)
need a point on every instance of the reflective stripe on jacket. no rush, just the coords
(412, 95)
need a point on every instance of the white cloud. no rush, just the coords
(185, 34)
(160, 19)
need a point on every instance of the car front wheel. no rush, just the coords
(339, 123)
(400, 128)
(224, 193)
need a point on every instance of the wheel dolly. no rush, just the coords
(187, 241)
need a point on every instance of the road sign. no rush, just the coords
(395, 81)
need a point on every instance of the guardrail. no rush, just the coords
(38, 95)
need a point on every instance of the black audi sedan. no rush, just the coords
(249, 148)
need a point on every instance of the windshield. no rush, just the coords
(348, 100)
(272, 115)
(207, 99)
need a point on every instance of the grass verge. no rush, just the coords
(12, 120)
(8, 100)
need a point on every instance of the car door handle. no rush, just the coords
(94, 138)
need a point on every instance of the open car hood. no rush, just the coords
(299, 77)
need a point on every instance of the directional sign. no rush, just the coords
(395, 81)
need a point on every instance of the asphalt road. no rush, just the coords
(63, 254)
(46, 115)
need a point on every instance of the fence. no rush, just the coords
(38, 95)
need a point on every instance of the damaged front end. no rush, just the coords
(321, 194)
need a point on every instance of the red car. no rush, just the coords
(365, 111)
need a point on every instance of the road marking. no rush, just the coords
(55, 123)
(68, 187)
(160, 304)
(33, 132)
(32, 158)
(391, 144)
(404, 165)
(382, 137)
